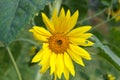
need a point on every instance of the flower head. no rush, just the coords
(110, 77)
(61, 43)
(116, 13)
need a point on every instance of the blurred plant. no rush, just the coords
(18, 16)
(109, 77)
(115, 14)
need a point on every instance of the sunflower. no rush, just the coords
(61, 43)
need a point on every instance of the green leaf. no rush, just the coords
(114, 39)
(109, 54)
(15, 14)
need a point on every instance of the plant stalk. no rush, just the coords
(14, 63)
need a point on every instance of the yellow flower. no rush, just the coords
(117, 14)
(61, 43)
(111, 77)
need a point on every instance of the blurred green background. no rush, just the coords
(18, 16)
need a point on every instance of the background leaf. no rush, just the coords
(109, 54)
(76, 5)
(15, 14)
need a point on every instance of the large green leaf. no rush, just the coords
(15, 14)
(109, 54)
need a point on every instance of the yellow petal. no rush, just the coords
(61, 21)
(48, 23)
(68, 14)
(66, 73)
(44, 68)
(38, 56)
(78, 31)
(83, 36)
(75, 57)
(52, 63)
(80, 51)
(55, 76)
(69, 63)
(40, 37)
(46, 57)
(86, 35)
(45, 61)
(72, 21)
(80, 41)
(62, 13)
(55, 18)
(65, 22)
(40, 33)
(59, 65)
(54, 15)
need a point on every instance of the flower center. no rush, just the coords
(58, 43)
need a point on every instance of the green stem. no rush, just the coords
(56, 5)
(38, 76)
(27, 40)
(105, 21)
(50, 8)
(14, 63)
(110, 10)
(97, 14)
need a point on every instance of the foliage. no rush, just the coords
(17, 16)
